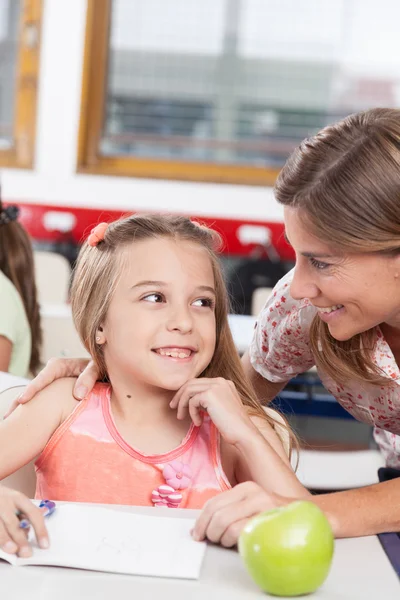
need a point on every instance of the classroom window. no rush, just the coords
(19, 54)
(224, 90)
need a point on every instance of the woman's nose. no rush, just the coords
(302, 285)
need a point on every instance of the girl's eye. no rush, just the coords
(317, 264)
(207, 302)
(153, 298)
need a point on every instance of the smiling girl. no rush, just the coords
(176, 423)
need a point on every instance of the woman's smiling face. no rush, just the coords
(352, 292)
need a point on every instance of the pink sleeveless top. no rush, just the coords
(87, 460)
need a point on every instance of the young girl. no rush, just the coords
(20, 333)
(176, 423)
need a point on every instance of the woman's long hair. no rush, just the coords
(345, 183)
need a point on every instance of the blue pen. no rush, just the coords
(47, 507)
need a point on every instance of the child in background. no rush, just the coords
(177, 422)
(20, 332)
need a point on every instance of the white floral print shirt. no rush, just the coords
(280, 350)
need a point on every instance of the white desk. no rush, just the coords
(360, 570)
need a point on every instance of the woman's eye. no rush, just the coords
(153, 298)
(208, 302)
(317, 264)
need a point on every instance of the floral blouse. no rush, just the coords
(280, 350)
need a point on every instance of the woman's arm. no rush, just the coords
(26, 432)
(265, 390)
(5, 353)
(364, 511)
(352, 513)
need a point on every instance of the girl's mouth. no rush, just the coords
(175, 352)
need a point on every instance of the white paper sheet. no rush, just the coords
(104, 539)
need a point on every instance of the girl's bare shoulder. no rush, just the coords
(57, 395)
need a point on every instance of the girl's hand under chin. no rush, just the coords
(220, 399)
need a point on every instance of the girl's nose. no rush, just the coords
(180, 320)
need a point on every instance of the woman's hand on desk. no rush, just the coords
(224, 516)
(13, 539)
(56, 368)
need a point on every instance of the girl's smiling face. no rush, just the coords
(160, 328)
(352, 292)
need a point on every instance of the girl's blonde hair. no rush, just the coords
(96, 276)
(345, 183)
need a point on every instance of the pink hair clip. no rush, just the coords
(97, 234)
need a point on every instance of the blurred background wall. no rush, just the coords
(232, 85)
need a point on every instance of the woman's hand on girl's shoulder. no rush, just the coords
(13, 539)
(57, 368)
(220, 399)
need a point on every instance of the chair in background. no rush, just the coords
(324, 470)
(9, 381)
(60, 338)
(259, 298)
(23, 480)
(52, 273)
(327, 470)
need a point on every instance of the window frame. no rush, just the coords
(22, 153)
(89, 159)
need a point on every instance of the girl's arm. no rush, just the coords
(261, 457)
(24, 434)
(258, 452)
(12, 537)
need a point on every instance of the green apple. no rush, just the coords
(288, 550)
